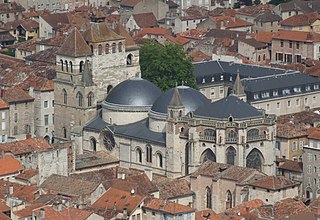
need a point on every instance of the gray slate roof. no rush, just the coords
(139, 130)
(134, 92)
(190, 98)
(96, 124)
(229, 106)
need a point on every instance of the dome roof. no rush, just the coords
(191, 99)
(134, 92)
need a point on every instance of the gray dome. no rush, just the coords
(191, 99)
(134, 92)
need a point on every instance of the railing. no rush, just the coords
(231, 140)
(207, 138)
(256, 138)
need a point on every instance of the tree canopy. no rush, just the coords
(277, 2)
(166, 65)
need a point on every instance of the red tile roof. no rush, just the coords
(9, 165)
(301, 20)
(116, 199)
(199, 56)
(194, 34)
(3, 206)
(245, 207)
(67, 213)
(16, 94)
(206, 215)
(264, 37)
(129, 3)
(297, 36)
(145, 20)
(177, 40)
(3, 104)
(274, 183)
(237, 22)
(161, 205)
(26, 146)
(27, 212)
(27, 174)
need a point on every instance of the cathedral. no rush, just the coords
(103, 104)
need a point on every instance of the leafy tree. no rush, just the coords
(277, 2)
(257, 2)
(166, 66)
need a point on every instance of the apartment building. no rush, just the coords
(4, 118)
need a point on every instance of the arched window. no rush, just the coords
(64, 132)
(65, 96)
(66, 63)
(99, 49)
(259, 58)
(93, 143)
(61, 62)
(264, 57)
(120, 47)
(129, 59)
(81, 66)
(107, 49)
(208, 198)
(207, 155)
(47, 138)
(255, 159)
(90, 99)
(109, 88)
(149, 153)
(114, 47)
(71, 67)
(15, 130)
(231, 154)
(159, 160)
(252, 134)
(91, 46)
(228, 200)
(27, 129)
(79, 98)
(232, 136)
(138, 155)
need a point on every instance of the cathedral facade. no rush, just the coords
(174, 132)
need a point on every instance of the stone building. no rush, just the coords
(10, 12)
(254, 50)
(4, 111)
(175, 132)
(266, 21)
(88, 67)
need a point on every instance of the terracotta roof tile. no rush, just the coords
(129, 3)
(55, 41)
(29, 45)
(315, 134)
(48, 56)
(10, 7)
(100, 33)
(25, 193)
(116, 199)
(3, 206)
(120, 30)
(290, 165)
(56, 19)
(268, 16)
(75, 46)
(205, 215)
(297, 36)
(274, 183)
(174, 188)
(193, 34)
(254, 43)
(237, 22)
(16, 94)
(27, 174)
(27, 212)
(9, 165)
(145, 20)
(245, 207)
(288, 207)
(301, 20)
(308, 117)
(290, 130)
(161, 205)
(264, 37)
(199, 56)
(177, 40)
(26, 146)
(67, 213)
(3, 104)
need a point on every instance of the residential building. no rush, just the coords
(254, 50)
(139, 21)
(266, 21)
(21, 112)
(55, 5)
(5, 128)
(311, 166)
(185, 23)
(292, 170)
(23, 49)
(10, 167)
(296, 7)
(50, 23)
(302, 22)
(10, 12)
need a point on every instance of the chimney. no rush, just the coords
(125, 213)
(28, 136)
(10, 189)
(132, 192)
(121, 175)
(42, 213)
(115, 206)
(3, 155)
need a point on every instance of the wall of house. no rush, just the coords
(45, 30)
(266, 27)
(5, 126)
(157, 7)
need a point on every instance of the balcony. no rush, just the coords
(231, 140)
(256, 138)
(207, 138)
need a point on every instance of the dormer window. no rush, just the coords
(265, 95)
(256, 96)
(285, 91)
(297, 89)
(316, 86)
(221, 77)
(308, 88)
(212, 79)
(275, 93)
(230, 79)
(203, 80)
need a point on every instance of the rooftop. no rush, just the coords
(16, 94)
(273, 183)
(9, 165)
(301, 36)
(161, 205)
(26, 146)
(145, 20)
(301, 19)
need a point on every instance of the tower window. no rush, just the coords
(79, 98)
(66, 63)
(81, 66)
(65, 97)
(61, 61)
(149, 153)
(99, 49)
(120, 47)
(90, 99)
(107, 49)
(71, 67)
(114, 47)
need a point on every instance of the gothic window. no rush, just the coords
(120, 47)
(99, 49)
(209, 133)
(79, 98)
(93, 143)
(254, 159)
(253, 133)
(159, 160)
(114, 47)
(81, 66)
(64, 132)
(208, 198)
(71, 67)
(129, 59)
(107, 49)
(208, 155)
(90, 99)
(27, 129)
(149, 153)
(231, 154)
(138, 155)
(108, 139)
(15, 130)
(66, 63)
(65, 96)
(61, 61)
(232, 135)
(228, 200)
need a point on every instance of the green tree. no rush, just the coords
(257, 2)
(166, 66)
(277, 2)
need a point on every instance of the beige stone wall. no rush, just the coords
(157, 7)
(4, 125)
(266, 27)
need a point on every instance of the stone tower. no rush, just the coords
(238, 89)
(174, 127)
(74, 89)
(113, 61)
